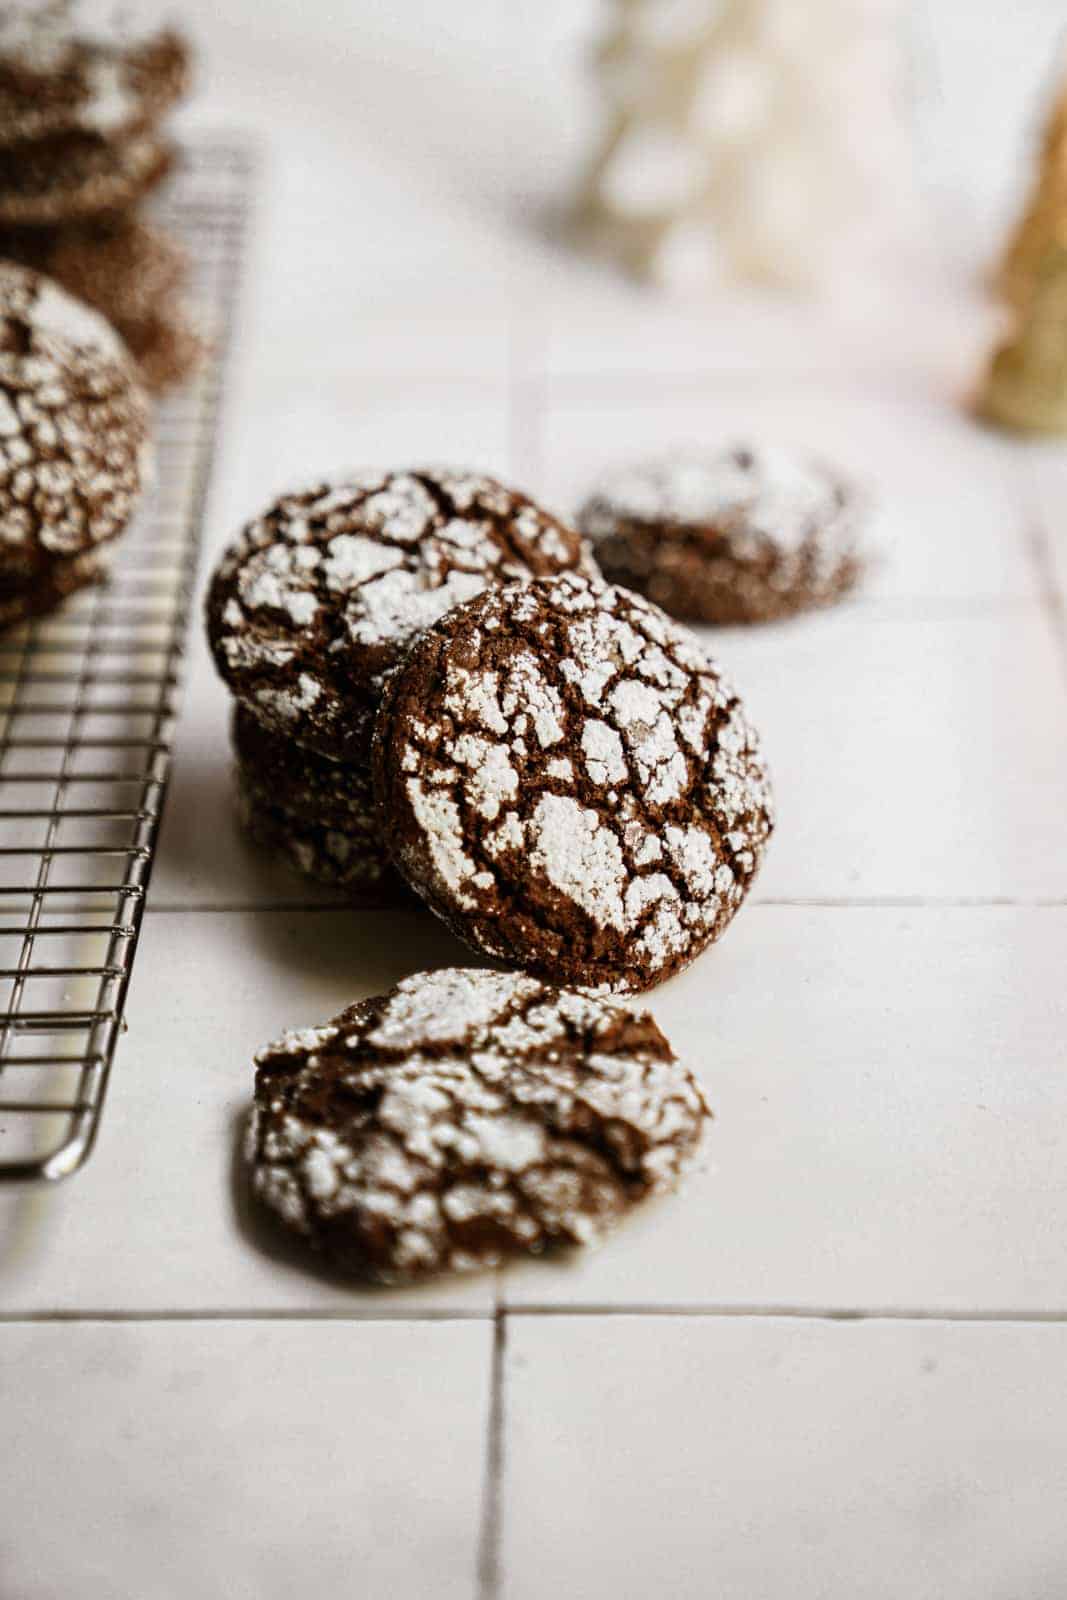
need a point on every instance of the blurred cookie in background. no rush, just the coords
(84, 89)
(134, 274)
(81, 66)
(747, 534)
(75, 451)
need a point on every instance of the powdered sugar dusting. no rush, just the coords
(746, 532)
(74, 426)
(630, 836)
(465, 1117)
(345, 575)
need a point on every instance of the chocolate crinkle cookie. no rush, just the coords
(70, 177)
(321, 595)
(747, 535)
(296, 780)
(316, 815)
(351, 858)
(89, 66)
(571, 784)
(133, 273)
(464, 1118)
(74, 436)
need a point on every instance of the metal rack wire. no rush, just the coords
(88, 699)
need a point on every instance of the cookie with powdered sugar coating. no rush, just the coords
(132, 273)
(464, 1118)
(747, 535)
(72, 177)
(90, 66)
(320, 596)
(571, 784)
(23, 599)
(74, 428)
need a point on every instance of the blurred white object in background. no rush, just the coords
(758, 139)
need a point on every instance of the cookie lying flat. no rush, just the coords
(569, 782)
(464, 1118)
(122, 267)
(23, 599)
(133, 274)
(285, 775)
(70, 177)
(74, 427)
(744, 536)
(352, 858)
(84, 65)
(320, 596)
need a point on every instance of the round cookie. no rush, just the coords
(120, 266)
(464, 1118)
(70, 177)
(289, 777)
(744, 536)
(569, 782)
(74, 427)
(321, 595)
(94, 66)
(353, 859)
(132, 273)
(23, 599)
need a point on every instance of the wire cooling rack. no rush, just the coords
(88, 699)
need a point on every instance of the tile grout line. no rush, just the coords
(325, 1314)
(792, 1313)
(842, 902)
(489, 1574)
(544, 1311)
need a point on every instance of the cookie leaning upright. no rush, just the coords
(321, 595)
(466, 1117)
(74, 440)
(745, 535)
(571, 784)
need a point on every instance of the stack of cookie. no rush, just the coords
(311, 610)
(84, 89)
(74, 443)
(436, 687)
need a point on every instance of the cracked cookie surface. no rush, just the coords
(747, 535)
(466, 1117)
(74, 428)
(320, 596)
(570, 783)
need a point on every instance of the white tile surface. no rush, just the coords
(254, 1460)
(887, 1079)
(1044, 471)
(910, 757)
(889, 1111)
(157, 1221)
(756, 1460)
